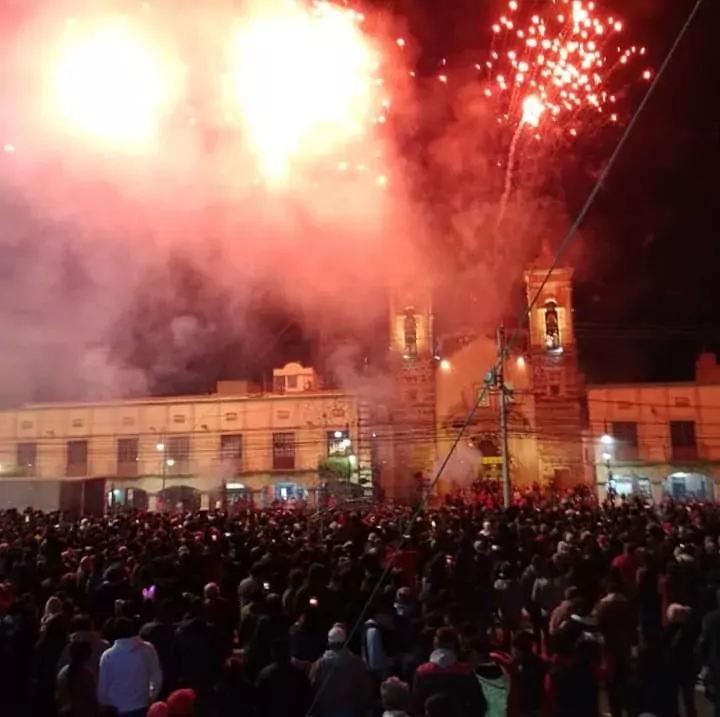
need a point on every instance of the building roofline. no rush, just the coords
(652, 384)
(165, 400)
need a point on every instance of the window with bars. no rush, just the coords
(683, 441)
(77, 459)
(127, 456)
(625, 435)
(26, 457)
(231, 452)
(178, 455)
(230, 446)
(283, 445)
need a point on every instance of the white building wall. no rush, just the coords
(653, 407)
(203, 419)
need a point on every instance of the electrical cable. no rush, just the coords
(518, 332)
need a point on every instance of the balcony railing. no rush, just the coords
(626, 452)
(231, 466)
(127, 469)
(684, 453)
(178, 467)
(283, 463)
(76, 470)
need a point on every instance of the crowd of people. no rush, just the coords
(546, 608)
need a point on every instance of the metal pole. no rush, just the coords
(164, 465)
(503, 418)
(608, 461)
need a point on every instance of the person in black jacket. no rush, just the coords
(160, 633)
(680, 639)
(200, 653)
(572, 686)
(235, 694)
(283, 690)
(709, 651)
(529, 671)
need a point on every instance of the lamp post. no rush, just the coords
(503, 394)
(160, 448)
(607, 443)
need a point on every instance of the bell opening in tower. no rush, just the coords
(552, 328)
(410, 334)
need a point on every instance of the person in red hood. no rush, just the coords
(445, 674)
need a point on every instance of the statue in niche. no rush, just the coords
(552, 327)
(410, 333)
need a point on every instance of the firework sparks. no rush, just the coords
(304, 82)
(533, 109)
(557, 63)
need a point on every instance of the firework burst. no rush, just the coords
(554, 65)
(306, 81)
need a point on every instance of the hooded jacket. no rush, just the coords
(445, 674)
(130, 675)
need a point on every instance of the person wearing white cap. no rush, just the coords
(341, 681)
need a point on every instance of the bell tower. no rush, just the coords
(557, 382)
(412, 415)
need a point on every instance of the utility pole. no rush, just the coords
(503, 417)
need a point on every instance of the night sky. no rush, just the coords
(650, 292)
(646, 296)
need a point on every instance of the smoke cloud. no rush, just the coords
(127, 272)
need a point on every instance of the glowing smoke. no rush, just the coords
(294, 196)
(132, 161)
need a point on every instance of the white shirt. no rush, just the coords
(130, 675)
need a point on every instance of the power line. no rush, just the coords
(518, 333)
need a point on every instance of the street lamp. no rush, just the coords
(607, 442)
(160, 448)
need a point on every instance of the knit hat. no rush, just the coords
(180, 703)
(395, 695)
(337, 635)
(158, 709)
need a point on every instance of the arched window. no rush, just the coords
(552, 326)
(410, 333)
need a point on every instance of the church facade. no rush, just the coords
(446, 415)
